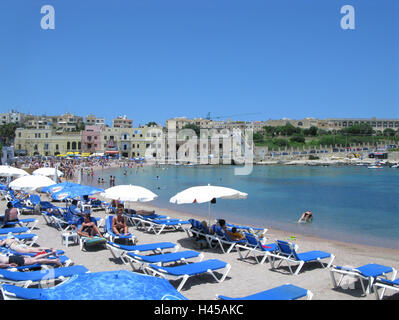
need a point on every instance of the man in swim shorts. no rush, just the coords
(16, 260)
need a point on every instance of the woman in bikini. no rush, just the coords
(16, 245)
(119, 225)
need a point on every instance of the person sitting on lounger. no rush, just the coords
(119, 225)
(17, 261)
(89, 227)
(14, 244)
(11, 214)
(73, 213)
(307, 216)
(233, 235)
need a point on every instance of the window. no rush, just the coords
(56, 147)
(46, 146)
(68, 145)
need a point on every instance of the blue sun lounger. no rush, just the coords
(119, 250)
(108, 285)
(186, 271)
(287, 252)
(24, 237)
(385, 284)
(197, 229)
(112, 236)
(368, 272)
(26, 278)
(161, 259)
(284, 292)
(159, 225)
(16, 230)
(138, 219)
(256, 247)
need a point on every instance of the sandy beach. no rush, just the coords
(245, 277)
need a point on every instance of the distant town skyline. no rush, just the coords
(157, 60)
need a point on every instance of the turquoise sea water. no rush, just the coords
(351, 204)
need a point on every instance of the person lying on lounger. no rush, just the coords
(17, 261)
(89, 227)
(16, 245)
(119, 224)
(139, 212)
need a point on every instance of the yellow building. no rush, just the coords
(46, 142)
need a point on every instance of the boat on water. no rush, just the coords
(375, 167)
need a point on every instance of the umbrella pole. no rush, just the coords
(209, 214)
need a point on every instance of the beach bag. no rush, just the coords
(201, 244)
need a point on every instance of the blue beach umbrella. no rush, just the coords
(107, 285)
(75, 192)
(58, 187)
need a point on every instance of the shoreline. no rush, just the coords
(272, 233)
(285, 232)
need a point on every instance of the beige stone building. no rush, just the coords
(46, 142)
(122, 122)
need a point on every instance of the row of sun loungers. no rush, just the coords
(187, 263)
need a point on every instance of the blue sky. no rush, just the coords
(156, 59)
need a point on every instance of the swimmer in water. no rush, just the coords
(307, 216)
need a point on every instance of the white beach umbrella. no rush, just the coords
(8, 171)
(129, 193)
(31, 183)
(201, 194)
(48, 172)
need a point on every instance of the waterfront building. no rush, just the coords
(46, 142)
(92, 139)
(122, 122)
(335, 124)
(11, 116)
(92, 120)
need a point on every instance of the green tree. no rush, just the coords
(257, 137)
(312, 131)
(297, 138)
(7, 133)
(389, 132)
(360, 129)
(280, 142)
(194, 127)
(288, 130)
(151, 123)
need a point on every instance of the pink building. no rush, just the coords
(91, 139)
